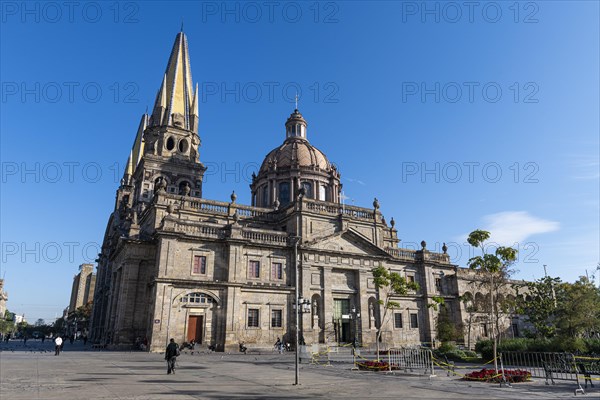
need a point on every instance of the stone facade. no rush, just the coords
(84, 284)
(3, 299)
(174, 264)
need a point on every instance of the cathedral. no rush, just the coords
(176, 265)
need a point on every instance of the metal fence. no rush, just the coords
(410, 359)
(555, 366)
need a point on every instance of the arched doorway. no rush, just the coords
(199, 319)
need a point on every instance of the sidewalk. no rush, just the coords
(34, 372)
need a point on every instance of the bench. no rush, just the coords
(588, 368)
(562, 365)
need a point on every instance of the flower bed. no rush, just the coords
(373, 365)
(489, 375)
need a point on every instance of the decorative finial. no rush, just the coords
(423, 244)
(376, 203)
(296, 101)
(445, 248)
(233, 196)
(276, 204)
(392, 222)
(182, 25)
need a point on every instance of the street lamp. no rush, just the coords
(296, 240)
(355, 316)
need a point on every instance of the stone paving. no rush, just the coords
(33, 372)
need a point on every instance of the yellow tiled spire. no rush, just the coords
(173, 104)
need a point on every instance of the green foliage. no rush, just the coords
(7, 326)
(450, 350)
(437, 302)
(578, 311)
(494, 268)
(446, 329)
(389, 284)
(566, 310)
(540, 309)
(557, 345)
(392, 282)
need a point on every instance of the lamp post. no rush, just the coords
(296, 240)
(355, 316)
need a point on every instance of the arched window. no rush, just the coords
(284, 193)
(265, 196)
(322, 192)
(196, 298)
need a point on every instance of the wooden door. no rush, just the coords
(195, 323)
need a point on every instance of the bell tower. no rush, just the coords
(166, 151)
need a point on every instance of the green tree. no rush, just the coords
(578, 308)
(389, 284)
(540, 307)
(447, 330)
(494, 268)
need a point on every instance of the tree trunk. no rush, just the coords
(493, 324)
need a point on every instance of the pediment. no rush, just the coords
(348, 241)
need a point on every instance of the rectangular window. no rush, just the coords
(438, 284)
(253, 318)
(410, 279)
(414, 321)
(199, 265)
(276, 319)
(277, 273)
(254, 269)
(515, 329)
(398, 320)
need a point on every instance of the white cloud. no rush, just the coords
(510, 227)
(355, 181)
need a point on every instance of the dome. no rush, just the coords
(297, 153)
(295, 165)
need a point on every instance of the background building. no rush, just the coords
(84, 284)
(174, 264)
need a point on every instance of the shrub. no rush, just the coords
(447, 347)
(558, 344)
(470, 354)
(485, 348)
(457, 355)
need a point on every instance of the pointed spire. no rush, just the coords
(138, 144)
(128, 170)
(194, 109)
(194, 116)
(175, 95)
(162, 94)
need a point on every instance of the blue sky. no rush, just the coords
(454, 118)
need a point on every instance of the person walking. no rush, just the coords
(58, 342)
(171, 354)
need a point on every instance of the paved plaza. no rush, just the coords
(34, 372)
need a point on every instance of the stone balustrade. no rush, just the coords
(323, 207)
(417, 255)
